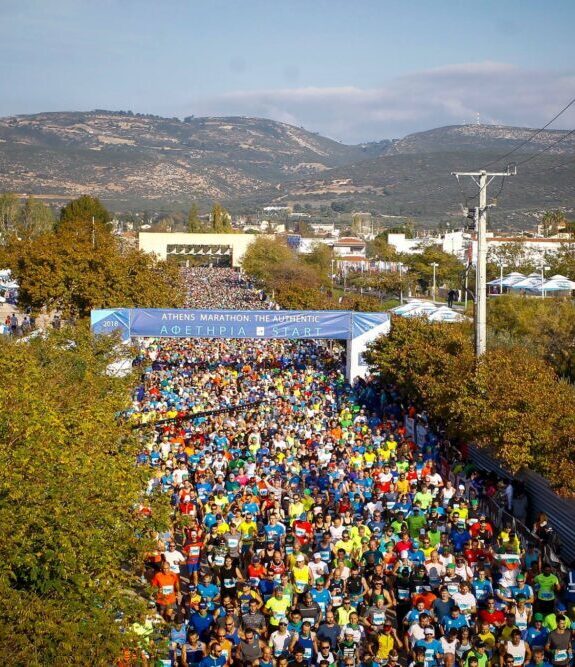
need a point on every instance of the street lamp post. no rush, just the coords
(434, 265)
(543, 269)
(332, 274)
(502, 265)
(400, 283)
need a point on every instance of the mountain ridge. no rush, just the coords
(141, 160)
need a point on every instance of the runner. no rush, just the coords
(316, 529)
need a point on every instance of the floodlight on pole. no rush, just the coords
(543, 269)
(434, 265)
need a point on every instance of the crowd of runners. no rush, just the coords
(222, 288)
(309, 527)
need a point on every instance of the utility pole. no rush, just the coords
(482, 179)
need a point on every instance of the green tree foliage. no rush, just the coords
(70, 533)
(221, 220)
(511, 402)
(300, 281)
(320, 258)
(81, 211)
(553, 221)
(77, 268)
(25, 220)
(263, 255)
(562, 262)
(195, 225)
(34, 218)
(381, 249)
(514, 256)
(546, 327)
(449, 271)
(9, 213)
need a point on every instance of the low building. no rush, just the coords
(349, 246)
(534, 249)
(453, 243)
(196, 249)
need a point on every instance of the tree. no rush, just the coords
(320, 258)
(509, 402)
(545, 327)
(381, 249)
(553, 221)
(518, 410)
(9, 213)
(70, 536)
(34, 218)
(81, 212)
(263, 254)
(563, 261)
(513, 255)
(427, 362)
(75, 270)
(449, 271)
(195, 225)
(221, 220)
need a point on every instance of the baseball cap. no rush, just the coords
(520, 577)
(429, 631)
(538, 617)
(299, 558)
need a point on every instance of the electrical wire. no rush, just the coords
(531, 137)
(532, 157)
(558, 166)
(500, 189)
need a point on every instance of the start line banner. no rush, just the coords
(179, 323)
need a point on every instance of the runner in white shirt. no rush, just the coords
(174, 558)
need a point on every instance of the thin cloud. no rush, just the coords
(501, 93)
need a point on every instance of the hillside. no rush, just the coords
(143, 161)
(486, 138)
(413, 176)
(132, 159)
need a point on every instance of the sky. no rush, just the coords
(352, 70)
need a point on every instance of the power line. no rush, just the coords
(562, 164)
(501, 188)
(531, 137)
(532, 157)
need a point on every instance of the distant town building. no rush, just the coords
(534, 249)
(454, 243)
(196, 249)
(349, 246)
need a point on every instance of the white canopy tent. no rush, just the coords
(532, 282)
(556, 284)
(429, 310)
(508, 281)
(445, 314)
